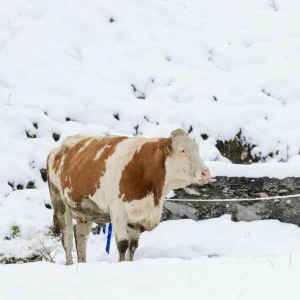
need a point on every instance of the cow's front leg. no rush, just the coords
(133, 244)
(134, 236)
(119, 224)
(122, 246)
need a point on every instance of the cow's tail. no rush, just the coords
(55, 227)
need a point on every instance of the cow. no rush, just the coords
(118, 179)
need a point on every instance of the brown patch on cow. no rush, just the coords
(82, 170)
(145, 173)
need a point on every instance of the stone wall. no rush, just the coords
(285, 210)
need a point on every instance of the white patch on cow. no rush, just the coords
(98, 154)
(66, 193)
(144, 212)
(85, 145)
(55, 177)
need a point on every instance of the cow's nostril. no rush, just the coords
(206, 174)
(202, 175)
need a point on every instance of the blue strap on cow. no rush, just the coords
(108, 238)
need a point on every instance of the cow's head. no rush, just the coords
(183, 157)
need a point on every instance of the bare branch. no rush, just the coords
(273, 5)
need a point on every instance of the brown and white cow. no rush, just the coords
(119, 179)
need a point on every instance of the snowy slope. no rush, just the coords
(145, 68)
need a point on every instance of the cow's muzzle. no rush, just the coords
(203, 176)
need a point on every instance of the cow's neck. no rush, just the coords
(171, 182)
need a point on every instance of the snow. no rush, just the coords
(212, 259)
(132, 68)
(272, 170)
(223, 278)
(234, 67)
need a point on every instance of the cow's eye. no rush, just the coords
(182, 151)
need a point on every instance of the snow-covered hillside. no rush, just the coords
(145, 68)
(214, 68)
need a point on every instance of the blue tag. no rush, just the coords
(108, 238)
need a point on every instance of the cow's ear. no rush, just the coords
(165, 146)
(165, 149)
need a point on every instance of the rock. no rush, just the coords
(44, 174)
(56, 137)
(30, 135)
(285, 210)
(191, 191)
(283, 191)
(263, 195)
(30, 185)
(20, 187)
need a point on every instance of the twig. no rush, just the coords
(273, 5)
(42, 250)
(8, 100)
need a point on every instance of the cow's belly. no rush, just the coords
(143, 213)
(88, 210)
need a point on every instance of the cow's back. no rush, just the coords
(78, 164)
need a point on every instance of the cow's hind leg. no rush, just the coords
(62, 220)
(67, 236)
(83, 229)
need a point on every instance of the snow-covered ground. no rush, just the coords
(212, 259)
(133, 67)
(200, 278)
